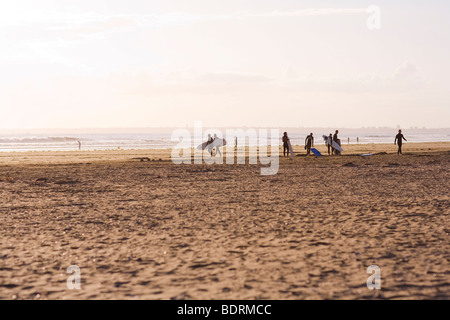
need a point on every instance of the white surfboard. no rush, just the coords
(202, 146)
(219, 143)
(290, 148)
(336, 146)
(214, 144)
(325, 138)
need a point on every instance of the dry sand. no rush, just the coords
(154, 230)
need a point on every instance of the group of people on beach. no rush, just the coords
(309, 143)
(329, 141)
(287, 148)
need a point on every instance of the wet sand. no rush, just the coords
(155, 230)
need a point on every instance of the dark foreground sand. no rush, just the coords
(153, 230)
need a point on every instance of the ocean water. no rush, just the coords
(90, 142)
(129, 141)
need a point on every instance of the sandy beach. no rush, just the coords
(155, 230)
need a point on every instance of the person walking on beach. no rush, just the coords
(79, 145)
(329, 144)
(336, 139)
(208, 144)
(399, 141)
(309, 143)
(285, 145)
(217, 146)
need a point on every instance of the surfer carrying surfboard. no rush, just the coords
(208, 144)
(399, 141)
(285, 145)
(217, 145)
(338, 142)
(330, 143)
(309, 143)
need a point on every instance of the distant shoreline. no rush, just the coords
(118, 130)
(75, 156)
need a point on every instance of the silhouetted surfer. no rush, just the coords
(309, 143)
(336, 139)
(285, 144)
(210, 140)
(217, 147)
(399, 140)
(330, 143)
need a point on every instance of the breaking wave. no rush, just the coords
(38, 140)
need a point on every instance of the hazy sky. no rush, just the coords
(144, 63)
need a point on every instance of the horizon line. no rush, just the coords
(225, 127)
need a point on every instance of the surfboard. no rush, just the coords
(367, 155)
(215, 143)
(336, 146)
(219, 143)
(290, 148)
(316, 152)
(202, 146)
